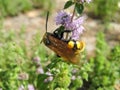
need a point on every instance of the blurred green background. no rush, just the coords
(22, 25)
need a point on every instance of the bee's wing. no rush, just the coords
(61, 48)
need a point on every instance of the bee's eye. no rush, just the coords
(47, 42)
(70, 44)
(46, 39)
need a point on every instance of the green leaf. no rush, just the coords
(85, 76)
(40, 82)
(68, 4)
(79, 8)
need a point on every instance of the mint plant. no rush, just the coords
(8, 8)
(30, 67)
(107, 11)
(105, 69)
(17, 69)
(63, 75)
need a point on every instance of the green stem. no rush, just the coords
(73, 13)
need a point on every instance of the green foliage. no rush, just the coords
(17, 66)
(115, 57)
(105, 69)
(46, 5)
(21, 64)
(79, 7)
(62, 74)
(8, 8)
(9, 54)
(100, 73)
(68, 4)
(104, 9)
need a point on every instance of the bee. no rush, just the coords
(69, 49)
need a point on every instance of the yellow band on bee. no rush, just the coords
(78, 44)
(70, 44)
(82, 46)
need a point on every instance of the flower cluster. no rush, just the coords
(40, 70)
(74, 25)
(49, 78)
(30, 87)
(23, 76)
(62, 18)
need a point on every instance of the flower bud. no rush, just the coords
(40, 70)
(48, 73)
(31, 87)
(21, 88)
(36, 60)
(23, 76)
(73, 77)
(48, 79)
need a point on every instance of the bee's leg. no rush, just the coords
(68, 31)
(58, 34)
(55, 32)
(66, 35)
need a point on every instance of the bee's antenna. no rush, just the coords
(47, 20)
(45, 25)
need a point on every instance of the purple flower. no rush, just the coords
(23, 76)
(74, 71)
(73, 77)
(76, 26)
(48, 79)
(40, 70)
(77, 32)
(21, 88)
(48, 73)
(88, 1)
(62, 18)
(31, 87)
(36, 60)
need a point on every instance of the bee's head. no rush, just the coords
(45, 39)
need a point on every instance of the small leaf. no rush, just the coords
(79, 8)
(85, 76)
(68, 4)
(40, 81)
